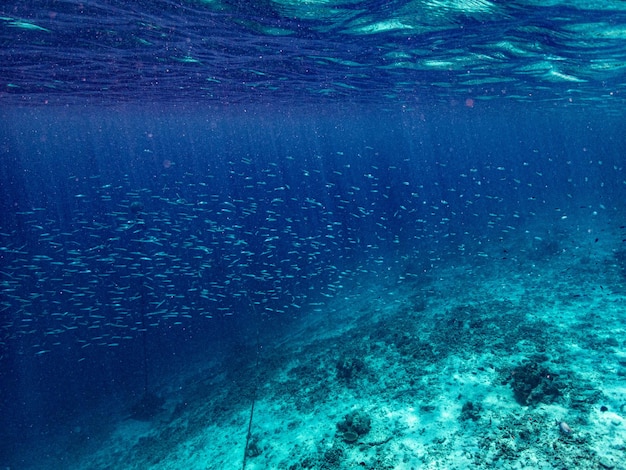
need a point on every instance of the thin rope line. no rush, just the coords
(254, 390)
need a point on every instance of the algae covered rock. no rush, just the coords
(354, 425)
(533, 383)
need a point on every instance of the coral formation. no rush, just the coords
(354, 425)
(533, 383)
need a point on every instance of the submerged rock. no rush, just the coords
(355, 425)
(533, 384)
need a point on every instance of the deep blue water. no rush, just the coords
(180, 178)
(242, 222)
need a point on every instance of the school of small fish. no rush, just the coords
(106, 263)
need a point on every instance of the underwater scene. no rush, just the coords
(312, 234)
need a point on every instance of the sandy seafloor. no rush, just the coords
(459, 366)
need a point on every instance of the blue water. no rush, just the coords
(246, 220)
(181, 178)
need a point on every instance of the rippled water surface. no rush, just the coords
(306, 51)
